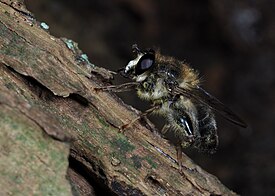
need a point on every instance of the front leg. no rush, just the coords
(118, 88)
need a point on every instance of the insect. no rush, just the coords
(174, 90)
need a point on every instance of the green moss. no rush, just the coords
(137, 161)
(15, 47)
(20, 137)
(89, 145)
(151, 162)
(30, 159)
(9, 86)
(42, 146)
(121, 147)
(48, 189)
(56, 156)
(122, 144)
(16, 191)
(85, 128)
(17, 179)
(102, 121)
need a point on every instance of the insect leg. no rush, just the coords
(118, 88)
(165, 128)
(142, 115)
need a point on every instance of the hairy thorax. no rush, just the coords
(152, 89)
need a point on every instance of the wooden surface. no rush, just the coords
(52, 118)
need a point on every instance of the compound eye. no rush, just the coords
(145, 63)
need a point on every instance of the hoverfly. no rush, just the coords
(174, 90)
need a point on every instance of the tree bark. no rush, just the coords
(60, 137)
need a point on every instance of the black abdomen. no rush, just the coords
(208, 141)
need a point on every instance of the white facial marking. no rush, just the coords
(133, 63)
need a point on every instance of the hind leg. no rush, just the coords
(180, 144)
(165, 128)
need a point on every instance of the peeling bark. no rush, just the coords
(46, 89)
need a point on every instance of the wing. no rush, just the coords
(202, 96)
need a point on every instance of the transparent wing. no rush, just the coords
(202, 96)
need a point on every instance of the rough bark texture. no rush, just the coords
(50, 118)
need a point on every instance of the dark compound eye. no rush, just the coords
(145, 63)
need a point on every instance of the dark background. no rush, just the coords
(231, 43)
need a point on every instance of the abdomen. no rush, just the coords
(208, 141)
